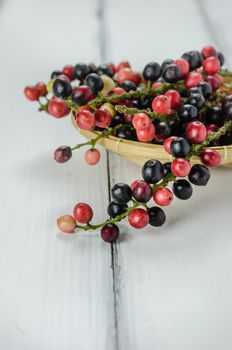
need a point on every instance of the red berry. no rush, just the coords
(32, 93)
(66, 223)
(92, 156)
(85, 108)
(112, 66)
(156, 85)
(193, 79)
(168, 142)
(211, 128)
(81, 95)
(69, 71)
(210, 157)
(58, 108)
(174, 97)
(180, 167)
(62, 154)
(208, 51)
(138, 218)
(83, 213)
(146, 135)
(110, 233)
(118, 91)
(123, 64)
(85, 120)
(127, 74)
(103, 118)
(220, 77)
(163, 196)
(214, 81)
(196, 132)
(141, 121)
(161, 104)
(42, 88)
(211, 65)
(141, 190)
(184, 66)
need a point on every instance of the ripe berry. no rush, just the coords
(187, 113)
(161, 104)
(58, 108)
(152, 171)
(42, 89)
(62, 154)
(199, 175)
(180, 147)
(127, 74)
(167, 143)
(85, 120)
(184, 66)
(157, 216)
(94, 82)
(138, 218)
(152, 71)
(62, 87)
(141, 121)
(163, 196)
(180, 167)
(210, 157)
(196, 100)
(206, 88)
(102, 118)
(104, 69)
(121, 193)
(81, 70)
(126, 132)
(110, 233)
(167, 168)
(146, 135)
(114, 209)
(83, 213)
(221, 58)
(228, 111)
(166, 63)
(92, 156)
(142, 191)
(172, 73)
(211, 65)
(194, 58)
(32, 93)
(182, 189)
(129, 85)
(196, 132)
(66, 223)
(118, 119)
(211, 128)
(56, 73)
(193, 79)
(174, 97)
(81, 95)
(69, 71)
(162, 131)
(215, 116)
(208, 51)
(214, 81)
(194, 90)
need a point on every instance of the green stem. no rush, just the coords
(148, 111)
(225, 73)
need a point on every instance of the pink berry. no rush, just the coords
(210, 157)
(174, 97)
(85, 120)
(196, 132)
(180, 167)
(141, 121)
(69, 71)
(161, 104)
(62, 154)
(163, 196)
(211, 65)
(42, 88)
(208, 51)
(211, 128)
(184, 66)
(168, 142)
(156, 85)
(110, 233)
(122, 64)
(32, 93)
(142, 191)
(92, 156)
(103, 118)
(193, 79)
(118, 91)
(146, 135)
(83, 213)
(58, 108)
(66, 223)
(127, 74)
(138, 218)
(214, 81)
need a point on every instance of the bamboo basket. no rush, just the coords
(139, 152)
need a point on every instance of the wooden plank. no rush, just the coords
(173, 284)
(55, 291)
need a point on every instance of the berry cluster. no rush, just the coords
(184, 104)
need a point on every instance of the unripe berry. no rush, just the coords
(66, 223)
(163, 196)
(92, 156)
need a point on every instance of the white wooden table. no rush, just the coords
(161, 289)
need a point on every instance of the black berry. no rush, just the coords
(128, 85)
(194, 58)
(114, 209)
(81, 70)
(62, 88)
(180, 147)
(215, 116)
(187, 113)
(157, 216)
(152, 171)
(197, 100)
(94, 82)
(182, 189)
(199, 175)
(121, 193)
(126, 132)
(172, 73)
(152, 71)
(206, 89)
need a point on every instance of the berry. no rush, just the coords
(194, 58)
(121, 193)
(196, 100)
(85, 120)
(199, 175)
(157, 216)
(142, 191)
(152, 71)
(56, 73)
(69, 71)
(112, 66)
(92, 156)
(127, 74)
(166, 63)
(167, 143)
(105, 70)
(138, 218)
(102, 118)
(114, 209)
(174, 97)
(118, 119)
(109, 84)
(42, 89)
(32, 93)
(194, 90)
(214, 81)
(187, 113)
(83, 213)
(62, 87)
(119, 91)
(184, 66)
(146, 135)
(208, 51)
(167, 168)
(58, 108)
(211, 128)
(211, 65)
(163, 196)
(141, 121)
(94, 82)
(161, 104)
(152, 171)
(110, 233)
(81, 70)
(206, 88)
(126, 132)
(215, 116)
(162, 131)
(62, 154)
(210, 157)
(122, 64)
(180, 167)
(156, 85)
(182, 189)
(129, 85)
(221, 58)
(172, 73)
(196, 132)
(226, 101)
(228, 111)
(81, 95)
(66, 223)
(193, 79)
(180, 147)
(176, 127)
